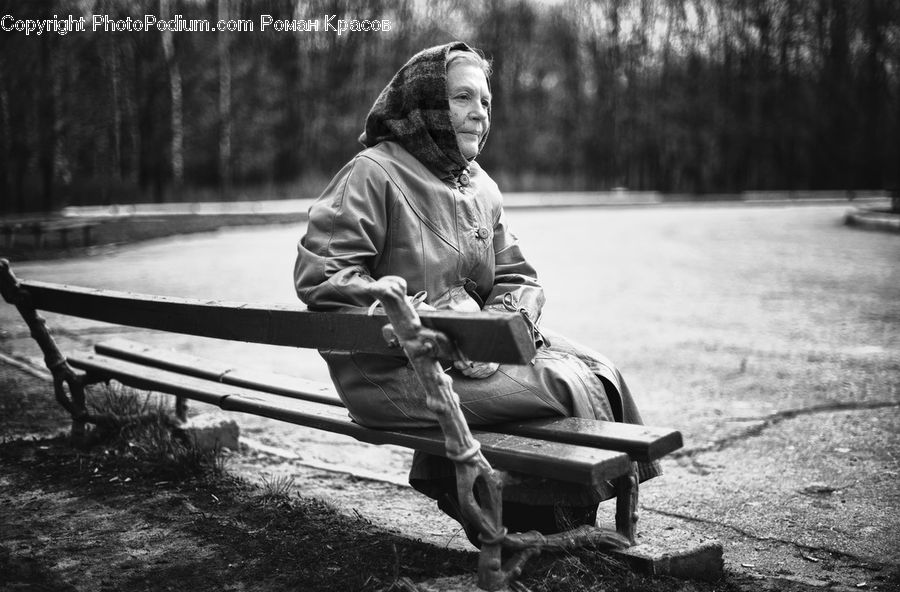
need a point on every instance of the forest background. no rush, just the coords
(678, 96)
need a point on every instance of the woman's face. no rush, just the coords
(470, 99)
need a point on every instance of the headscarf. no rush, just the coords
(413, 110)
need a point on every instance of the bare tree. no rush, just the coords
(175, 92)
(225, 116)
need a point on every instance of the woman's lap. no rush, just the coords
(384, 393)
(564, 380)
(554, 384)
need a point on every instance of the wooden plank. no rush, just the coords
(279, 384)
(167, 359)
(551, 460)
(642, 443)
(130, 374)
(498, 337)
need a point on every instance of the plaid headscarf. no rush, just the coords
(413, 110)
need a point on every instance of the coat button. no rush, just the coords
(464, 179)
(483, 233)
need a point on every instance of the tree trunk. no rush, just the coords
(47, 125)
(176, 121)
(117, 114)
(5, 151)
(113, 168)
(223, 45)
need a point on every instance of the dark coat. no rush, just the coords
(385, 213)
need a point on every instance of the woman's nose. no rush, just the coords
(478, 112)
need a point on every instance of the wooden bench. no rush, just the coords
(575, 450)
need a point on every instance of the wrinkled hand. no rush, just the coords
(476, 369)
(389, 287)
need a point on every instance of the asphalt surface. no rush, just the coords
(768, 335)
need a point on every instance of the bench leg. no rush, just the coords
(75, 383)
(63, 374)
(627, 504)
(181, 408)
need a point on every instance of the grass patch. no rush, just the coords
(276, 491)
(145, 437)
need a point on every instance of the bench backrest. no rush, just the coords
(490, 337)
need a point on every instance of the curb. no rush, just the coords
(678, 554)
(296, 209)
(873, 219)
(682, 555)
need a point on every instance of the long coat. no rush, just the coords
(385, 213)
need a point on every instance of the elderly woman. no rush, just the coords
(415, 204)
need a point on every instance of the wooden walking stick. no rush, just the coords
(422, 346)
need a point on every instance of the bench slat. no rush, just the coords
(497, 337)
(279, 384)
(642, 443)
(552, 460)
(129, 374)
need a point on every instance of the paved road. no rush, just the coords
(769, 335)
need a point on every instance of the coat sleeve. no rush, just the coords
(344, 238)
(513, 275)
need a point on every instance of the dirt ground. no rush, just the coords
(109, 518)
(102, 520)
